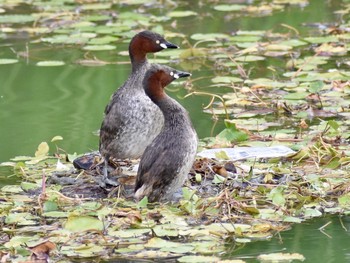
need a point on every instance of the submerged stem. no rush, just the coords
(213, 96)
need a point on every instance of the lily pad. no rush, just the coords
(52, 63)
(319, 40)
(198, 259)
(226, 79)
(181, 13)
(12, 189)
(99, 47)
(55, 214)
(57, 138)
(83, 223)
(19, 240)
(4, 61)
(200, 36)
(280, 257)
(96, 6)
(16, 19)
(84, 251)
(228, 8)
(249, 58)
(102, 40)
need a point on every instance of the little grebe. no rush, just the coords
(131, 119)
(166, 162)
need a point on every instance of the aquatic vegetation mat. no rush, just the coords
(62, 213)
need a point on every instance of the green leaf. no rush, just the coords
(316, 86)
(96, 6)
(251, 210)
(231, 133)
(52, 63)
(57, 138)
(248, 38)
(198, 178)
(4, 61)
(20, 218)
(69, 39)
(12, 189)
(292, 219)
(181, 13)
(29, 186)
(83, 250)
(179, 249)
(187, 193)
(222, 155)
(333, 164)
(293, 42)
(333, 124)
(277, 197)
(129, 233)
(200, 36)
(18, 240)
(296, 96)
(198, 259)
(218, 179)
(83, 223)
(99, 47)
(162, 231)
(72, 157)
(226, 79)
(157, 242)
(193, 52)
(96, 18)
(55, 214)
(249, 58)
(228, 8)
(142, 203)
(16, 18)
(280, 257)
(344, 200)
(50, 206)
(102, 40)
(43, 150)
(311, 212)
(322, 39)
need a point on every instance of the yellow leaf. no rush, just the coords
(43, 150)
(57, 138)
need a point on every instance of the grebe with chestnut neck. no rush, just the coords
(166, 162)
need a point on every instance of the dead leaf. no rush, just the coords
(41, 252)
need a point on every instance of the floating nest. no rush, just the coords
(86, 180)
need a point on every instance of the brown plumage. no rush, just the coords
(166, 162)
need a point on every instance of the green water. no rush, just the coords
(38, 103)
(329, 246)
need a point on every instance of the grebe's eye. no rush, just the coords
(158, 42)
(171, 73)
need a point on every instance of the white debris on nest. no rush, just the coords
(240, 153)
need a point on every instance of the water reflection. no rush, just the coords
(7, 176)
